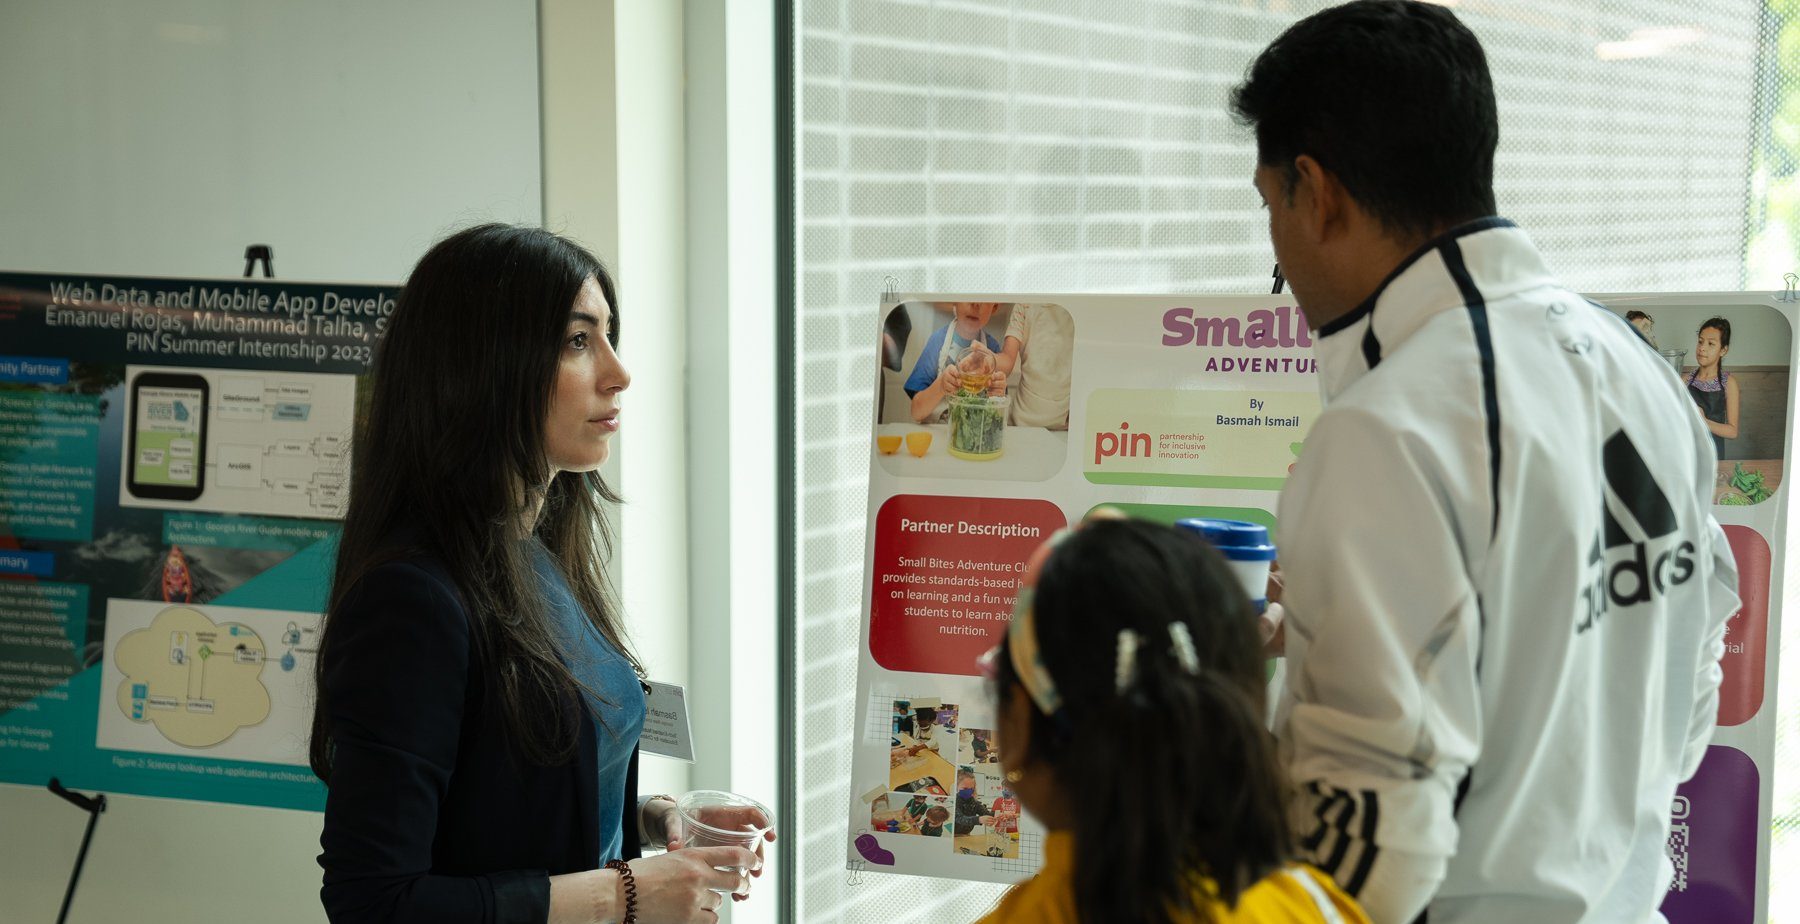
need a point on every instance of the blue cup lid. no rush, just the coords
(1238, 540)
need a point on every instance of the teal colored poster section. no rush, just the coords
(48, 443)
(54, 731)
(174, 462)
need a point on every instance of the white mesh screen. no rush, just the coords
(1085, 145)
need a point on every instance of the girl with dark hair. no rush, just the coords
(1129, 691)
(478, 706)
(1711, 387)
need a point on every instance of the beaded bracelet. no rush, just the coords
(630, 916)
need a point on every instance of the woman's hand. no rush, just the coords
(757, 870)
(661, 823)
(729, 818)
(687, 887)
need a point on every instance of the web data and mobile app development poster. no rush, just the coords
(174, 464)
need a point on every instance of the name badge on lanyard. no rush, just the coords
(666, 731)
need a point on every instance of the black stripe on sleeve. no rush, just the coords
(1329, 865)
(1484, 345)
(1326, 803)
(1359, 876)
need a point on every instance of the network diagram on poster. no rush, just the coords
(195, 680)
(237, 441)
(229, 681)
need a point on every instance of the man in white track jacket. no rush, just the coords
(1506, 594)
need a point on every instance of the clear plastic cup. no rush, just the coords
(713, 818)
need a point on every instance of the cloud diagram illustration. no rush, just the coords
(195, 680)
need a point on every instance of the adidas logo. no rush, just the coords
(1634, 557)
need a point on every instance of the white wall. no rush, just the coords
(159, 139)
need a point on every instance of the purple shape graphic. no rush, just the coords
(872, 851)
(1713, 842)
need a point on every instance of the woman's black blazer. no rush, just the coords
(431, 815)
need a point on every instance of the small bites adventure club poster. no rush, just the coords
(995, 424)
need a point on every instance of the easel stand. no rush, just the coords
(93, 805)
(259, 253)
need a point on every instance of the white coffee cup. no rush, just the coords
(1246, 548)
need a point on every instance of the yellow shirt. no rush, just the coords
(1295, 895)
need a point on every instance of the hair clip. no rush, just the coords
(1183, 642)
(1126, 665)
(1027, 661)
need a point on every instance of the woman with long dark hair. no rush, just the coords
(478, 705)
(1129, 691)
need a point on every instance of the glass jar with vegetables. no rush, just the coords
(977, 426)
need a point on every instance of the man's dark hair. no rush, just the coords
(1391, 96)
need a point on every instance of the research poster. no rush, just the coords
(1170, 407)
(174, 464)
(1165, 407)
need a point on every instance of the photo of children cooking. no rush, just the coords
(1734, 363)
(965, 385)
(976, 746)
(987, 813)
(922, 736)
(903, 813)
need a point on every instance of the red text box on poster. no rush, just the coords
(1747, 634)
(946, 577)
